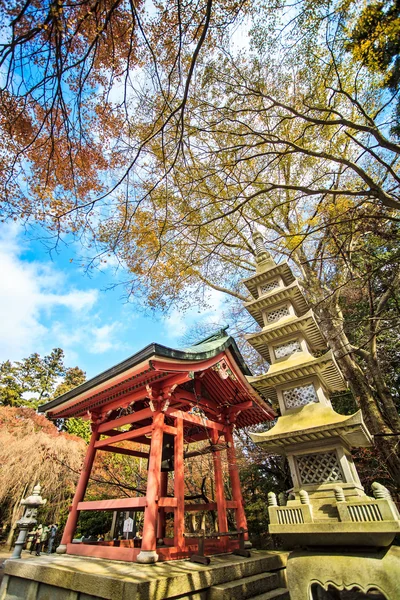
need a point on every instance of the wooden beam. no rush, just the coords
(167, 502)
(233, 468)
(126, 435)
(162, 504)
(127, 451)
(176, 379)
(125, 503)
(198, 507)
(219, 487)
(149, 540)
(81, 489)
(191, 398)
(146, 413)
(195, 420)
(179, 486)
(169, 429)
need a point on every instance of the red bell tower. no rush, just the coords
(169, 399)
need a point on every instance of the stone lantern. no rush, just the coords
(32, 503)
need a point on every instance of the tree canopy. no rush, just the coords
(35, 380)
(167, 144)
(73, 75)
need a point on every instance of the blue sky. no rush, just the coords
(47, 301)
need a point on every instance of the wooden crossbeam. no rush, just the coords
(208, 506)
(146, 413)
(208, 423)
(199, 507)
(191, 398)
(127, 451)
(167, 502)
(169, 429)
(126, 435)
(125, 503)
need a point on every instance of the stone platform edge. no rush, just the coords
(73, 578)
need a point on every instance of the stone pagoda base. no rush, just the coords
(324, 574)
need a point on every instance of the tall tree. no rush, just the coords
(73, 377)
(296, 141)
(294, 137)
(35, 379)
(73, 73)
(375, 41)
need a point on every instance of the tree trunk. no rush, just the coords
(332, 328)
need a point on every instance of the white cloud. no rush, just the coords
(75, 300)
(103, 338)
(28, 292)
(178, 323)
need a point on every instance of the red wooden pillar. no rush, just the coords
(179, 487)
(80, 492)
(235, 483)
(161, 511)
(148, 552)
(219, 491)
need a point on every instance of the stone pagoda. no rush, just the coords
(327, 505)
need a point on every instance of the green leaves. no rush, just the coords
(35, 380)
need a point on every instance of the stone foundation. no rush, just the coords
(72, 578)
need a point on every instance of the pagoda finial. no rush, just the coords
(262, 255)
(261, 251)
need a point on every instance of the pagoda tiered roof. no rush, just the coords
(298, 366)
(285, 327)
(292, 293)
(283, 270)
(311, 423)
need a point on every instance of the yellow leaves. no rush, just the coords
(339, 207)
(292, 242)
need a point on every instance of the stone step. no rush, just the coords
(229, 568)
(242, 589)
(278, 594)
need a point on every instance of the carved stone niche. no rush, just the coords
(344, 575)
(355, 593)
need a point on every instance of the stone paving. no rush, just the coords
(6, 553)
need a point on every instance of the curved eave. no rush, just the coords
(254, 281)
(290, 371)
(277, 296)
(141, 362)
(155, 364)
(285, 329)
(350, 429)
